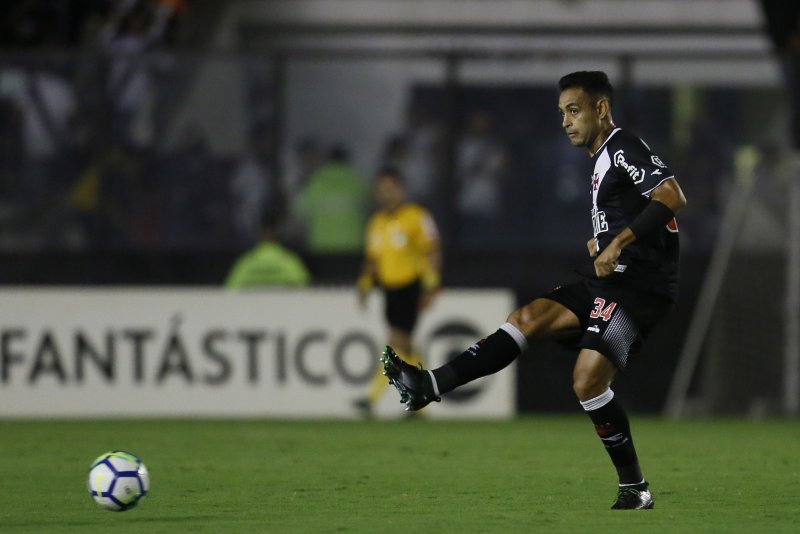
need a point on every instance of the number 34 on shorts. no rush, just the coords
(602, 310)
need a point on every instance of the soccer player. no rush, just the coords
(610, 312)
(403, 256)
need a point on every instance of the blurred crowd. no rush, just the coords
(85, 94)
(75, 94)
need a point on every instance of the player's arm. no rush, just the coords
(666, 200)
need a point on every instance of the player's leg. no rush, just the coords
(401, 311)
(400, 340)
(541, 319)
(591, 381)
(615, 329)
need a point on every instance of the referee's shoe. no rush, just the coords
(414, 384)
(636, 497)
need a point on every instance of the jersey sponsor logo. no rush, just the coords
(636, 174)
(599, 223)
(601, 310)
(594, 328)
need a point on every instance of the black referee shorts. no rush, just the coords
(615, 321)
(402, 306)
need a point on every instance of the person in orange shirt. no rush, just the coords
(403, 258)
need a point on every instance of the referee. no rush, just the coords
(403, 258)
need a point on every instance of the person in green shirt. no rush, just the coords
(334, 206)
(268, 263)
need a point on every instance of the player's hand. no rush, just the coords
(592, 246)
(608, 260)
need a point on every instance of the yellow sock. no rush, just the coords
(377, 387)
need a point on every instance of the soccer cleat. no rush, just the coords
(635, 497)
(413, 384)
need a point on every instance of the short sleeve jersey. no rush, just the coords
(625, 173)
(399, 243)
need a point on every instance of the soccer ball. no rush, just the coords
(118, 480)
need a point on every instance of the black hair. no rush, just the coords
(392, 172)
(594, 82)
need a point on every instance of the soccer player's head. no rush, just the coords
(585, 107)
(594, 83)
(390, 187)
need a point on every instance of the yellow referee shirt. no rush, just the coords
(399, 243)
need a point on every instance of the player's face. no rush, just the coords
(580, 117)
(389, 193)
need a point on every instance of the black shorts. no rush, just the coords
(615, 321)
(402, 306)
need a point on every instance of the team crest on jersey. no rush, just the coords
(398, 238)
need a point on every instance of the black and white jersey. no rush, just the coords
(625, 173)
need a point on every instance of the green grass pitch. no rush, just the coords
(533, 474)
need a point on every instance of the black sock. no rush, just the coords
(611, 424)
(485, 357)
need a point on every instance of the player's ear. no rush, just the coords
(603, 108)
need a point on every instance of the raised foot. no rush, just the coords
(414, 384)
